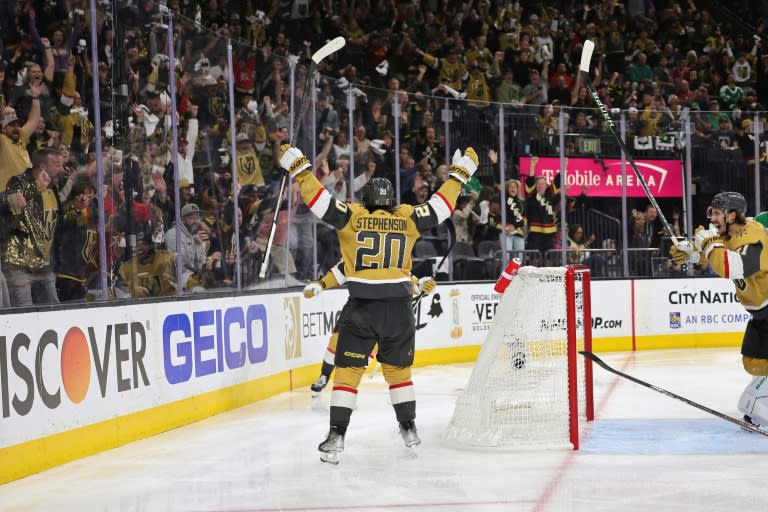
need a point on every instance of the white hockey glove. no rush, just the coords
(707, 239)
(313, 289)
(684, 253)
(427, 285)
(463, 167)
(293, 160)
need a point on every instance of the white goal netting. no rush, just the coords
(518, 393)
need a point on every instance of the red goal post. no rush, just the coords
(529, 387)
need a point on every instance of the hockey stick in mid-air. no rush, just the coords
(586, 57)
(741, 423)
(330, 48)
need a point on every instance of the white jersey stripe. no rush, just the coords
(443, 210)
(379, 281)
(341, 397)
(756, 308)
(402, 394)
(735, 265)
(319, 205)
(340, 277)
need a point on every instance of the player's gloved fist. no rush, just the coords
(427, 285)
(684, 253)
(463, 166)
(313, 289)
(707, 239)
(293, 160)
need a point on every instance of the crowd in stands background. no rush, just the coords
(654, 59)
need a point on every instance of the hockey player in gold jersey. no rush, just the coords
(151, 272)
(333, 278)
(376, 241)
(736, 248)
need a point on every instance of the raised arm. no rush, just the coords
(34, 111)
(50, 64)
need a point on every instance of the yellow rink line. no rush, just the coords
(37, 455)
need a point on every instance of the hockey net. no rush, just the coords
(529, 387)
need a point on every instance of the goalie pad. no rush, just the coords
(754, 400)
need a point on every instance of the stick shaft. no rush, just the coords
(331, 47)
(452, 234)
(605, 366)
(611, 127)
(284, 177)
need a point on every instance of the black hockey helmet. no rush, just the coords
(728, 202)
(378, 193)
(145, 234)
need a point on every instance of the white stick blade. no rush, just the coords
(330, 47)
(586, 55)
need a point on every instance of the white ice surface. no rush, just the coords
(644, 452)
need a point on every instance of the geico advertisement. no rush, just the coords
(677, 306)
(71, 368)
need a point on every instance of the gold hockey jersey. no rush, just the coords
(156, 278)
(744, 259)
(376, 246)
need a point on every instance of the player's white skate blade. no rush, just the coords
(331, 448)
(330, 457)
(410, 437)
(413, 451)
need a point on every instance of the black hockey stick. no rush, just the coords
(452, 235)
(330, 47)
(605, 366)
(586, 57)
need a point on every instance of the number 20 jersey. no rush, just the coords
(376, 246)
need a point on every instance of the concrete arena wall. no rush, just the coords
(74, 382)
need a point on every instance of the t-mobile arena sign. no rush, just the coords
(603, 177)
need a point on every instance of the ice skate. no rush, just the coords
(319, 385)
(409, 434)
(331, 448)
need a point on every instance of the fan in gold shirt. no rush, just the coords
(151, 272)
(14, 136)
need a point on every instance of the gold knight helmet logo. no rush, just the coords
(292, 317)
